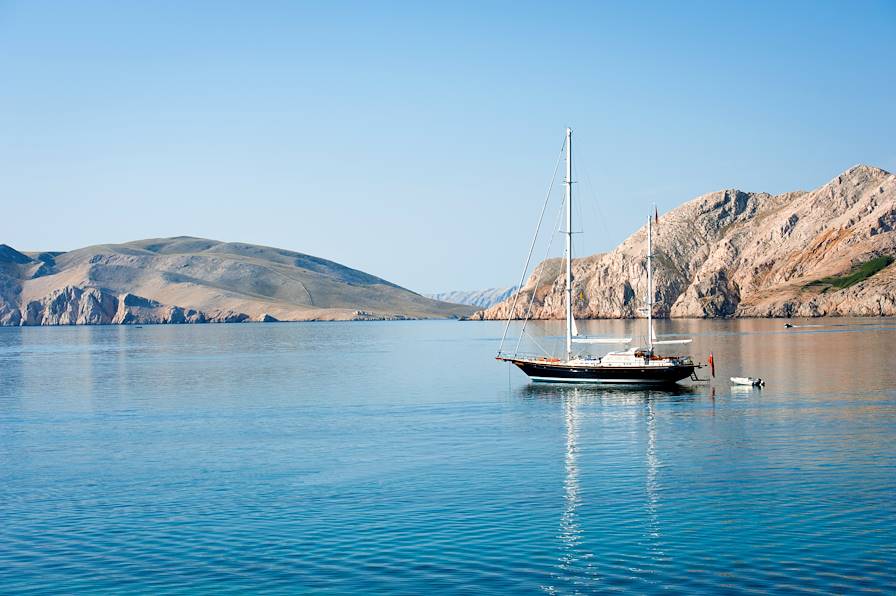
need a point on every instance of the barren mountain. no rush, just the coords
(480, 298)
(193, 280)
(732, 253)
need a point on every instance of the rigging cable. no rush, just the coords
(595, 204)
(538, 279)
(535, 342)
(532, 247)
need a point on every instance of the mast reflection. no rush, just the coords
(576, 563)
(651, 485)
(570, 530)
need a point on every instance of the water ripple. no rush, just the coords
(222, 459)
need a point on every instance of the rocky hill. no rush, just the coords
(193, 280)
(480, 298)
(829, 251)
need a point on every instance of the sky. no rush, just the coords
(416, 141)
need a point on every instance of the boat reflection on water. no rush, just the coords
(608, 394)
(577, 565)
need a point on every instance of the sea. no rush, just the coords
(401, 457)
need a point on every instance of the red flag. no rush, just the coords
(712, 365)
(656, 215)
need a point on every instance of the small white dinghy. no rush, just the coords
(755, 382)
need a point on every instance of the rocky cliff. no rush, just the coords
(193, 280)
(732, 253)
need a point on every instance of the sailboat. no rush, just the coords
(636, 365)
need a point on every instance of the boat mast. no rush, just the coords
(650, 284)
(568, 244)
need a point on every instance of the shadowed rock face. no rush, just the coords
(193, 280)
(734, 253)
(10, 255)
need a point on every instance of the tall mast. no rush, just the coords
(650, 284)
(568, 244)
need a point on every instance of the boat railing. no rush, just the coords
(526, 356)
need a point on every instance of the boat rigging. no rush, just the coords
(636, 365)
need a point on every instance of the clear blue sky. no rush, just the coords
(415, 141)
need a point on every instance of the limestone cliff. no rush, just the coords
(743, 254)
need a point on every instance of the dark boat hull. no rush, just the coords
(548, 372)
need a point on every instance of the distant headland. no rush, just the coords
(194, 280)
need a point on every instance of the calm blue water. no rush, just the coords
(400, 457)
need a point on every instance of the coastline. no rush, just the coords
(399, 318)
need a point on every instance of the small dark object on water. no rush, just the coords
(788, 325)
